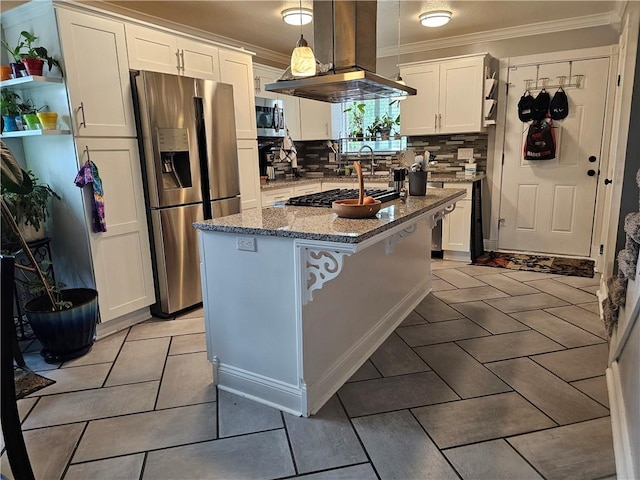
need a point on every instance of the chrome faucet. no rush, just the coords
(373, 160)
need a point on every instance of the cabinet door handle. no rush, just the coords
(440, 121)
(435, 121)
(83, 123)
(178, 60)
(182, 60)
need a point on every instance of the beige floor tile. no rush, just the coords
(394, 393)
(592, 289)
(490, 460)
(400, 448)
(366, 372)
(556, 329)
(395, 357)
(75, 378)
(508, 285)
(526, 302)
(461, 371)
(525, 276)
(435, 310)
(440, 332)
(475, 420)
(49, 450)
(580, 318)
(458, 279)
(556, 398)
(438, 285)
(579, 282)
(91, 404)
(442, 264)
(583, 450)
(196, 342)
(489, 318)
(360, 472)
(128, 467)
(255, 456)
(139, 432)
(469, 294)
(166, 328)
(139, 361)
(325, 440)
(562, 291)
(476, 270)
(195, 313)
(508, 345)
(413, 319)
(104, 350)
(187, 380)
(593, 307)
(576, 363)
(595, 387)
(238, 416)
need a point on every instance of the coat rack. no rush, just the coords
(543, 82)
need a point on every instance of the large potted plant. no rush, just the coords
(63, 320)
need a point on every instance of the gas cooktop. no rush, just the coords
(325, 199)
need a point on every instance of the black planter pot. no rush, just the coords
(65, 334)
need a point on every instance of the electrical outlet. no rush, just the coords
(246, 243)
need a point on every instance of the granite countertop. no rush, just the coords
(432, 177)
(317, 223)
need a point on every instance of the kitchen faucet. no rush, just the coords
(373, 160)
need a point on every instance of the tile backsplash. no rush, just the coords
(313, 156)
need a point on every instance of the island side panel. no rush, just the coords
(250, 317)
(352, 314)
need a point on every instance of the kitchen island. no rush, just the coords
(296, 299)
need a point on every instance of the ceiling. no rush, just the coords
(258, 23)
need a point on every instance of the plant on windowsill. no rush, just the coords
(63, 320)
(356, 121)
(387, 123)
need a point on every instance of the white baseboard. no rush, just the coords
(120, 323)
(456, 256)
(490, 245)
(620, 426)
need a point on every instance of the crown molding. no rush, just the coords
(554, 26)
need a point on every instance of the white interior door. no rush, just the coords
(548, 206)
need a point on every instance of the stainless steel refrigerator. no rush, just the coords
(187, 136)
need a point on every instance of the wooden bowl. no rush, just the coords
(350, 209)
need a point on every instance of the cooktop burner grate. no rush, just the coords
(325, 199)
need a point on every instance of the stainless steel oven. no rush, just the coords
(269, 117)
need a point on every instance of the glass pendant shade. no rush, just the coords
(303, 61)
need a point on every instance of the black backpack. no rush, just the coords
(540, 143)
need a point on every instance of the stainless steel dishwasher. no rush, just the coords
(436, 233)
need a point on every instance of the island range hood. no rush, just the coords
(345, 36)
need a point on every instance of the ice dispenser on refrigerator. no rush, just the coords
(188, 145)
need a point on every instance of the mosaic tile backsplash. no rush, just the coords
(313, 157)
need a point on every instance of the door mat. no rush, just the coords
(28, 382)
(576, 267)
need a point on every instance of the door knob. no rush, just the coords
(592, 159)
(591, 172)
(607, 181)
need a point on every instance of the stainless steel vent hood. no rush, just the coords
(345, 36)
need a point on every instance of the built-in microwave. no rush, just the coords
(269, 117)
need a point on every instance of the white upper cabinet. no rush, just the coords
(236, 68)
(157, 51)
(315, 120)
(450, 96)
(263, 75)
(97, 75)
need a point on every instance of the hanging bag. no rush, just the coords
(540, 143)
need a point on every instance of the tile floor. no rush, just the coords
(496, 374)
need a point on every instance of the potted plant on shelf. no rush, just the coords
(17, 67)
(10, 108)
(34, 57)
(63, 320)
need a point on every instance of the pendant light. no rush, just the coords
(399, 78)
(303, 61)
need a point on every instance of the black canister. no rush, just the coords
(418, 183)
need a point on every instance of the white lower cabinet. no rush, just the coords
(121, 255)
(307, 189)
(333, 185)
(249, 174)
(456, 227)
(271, 197)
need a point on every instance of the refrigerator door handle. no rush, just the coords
(202, 154)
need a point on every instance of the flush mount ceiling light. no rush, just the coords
(297, 16)
(435, 18)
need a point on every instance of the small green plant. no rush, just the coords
(36, 288)
(356, 121)
(9, 103)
